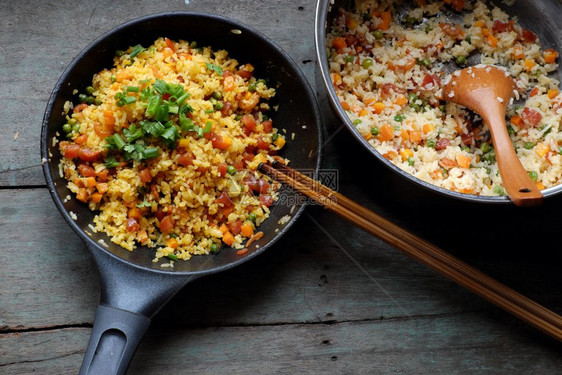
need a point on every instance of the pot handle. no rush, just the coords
(130, 297)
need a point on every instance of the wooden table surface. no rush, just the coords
(327, 299)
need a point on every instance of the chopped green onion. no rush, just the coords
(349, 58)
(529, 145)
(485, 147)
(218, 106)
(129, 99)
(150, 152)
(217, 95)
(209, 110)
(116, 141)
(136, 50)
(276, 135)
(534, 175)
(200, 132)
(251, 86)
(499, 190)
(214, 67)
(172, 257)
(430, 143)
(110, 162)
(399, 118)
(132, 89)
(411, 161)
(461, 60)
(208, 127)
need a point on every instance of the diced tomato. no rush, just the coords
(102, 175)
(80, 107)
(220, 142)
(222, 169)
(86, 170)
(235, 226)
(82, 195)
(135, 213)
(531, 117)
(454, 31)
(534, 91)
(224, 200)
(145, 175)
(351, 40)
(266, 200)
(263, 186)
(167, 224)
(239, 165)
(166, 96)
(170, 44)
(103, 130)
(70, 151)
(186, 159)
(160, 214)
(263, 145)
(249, 122)
(387, 88)
(528, 36)
(430, 79)
(248, 156)
(457, 5)
(88, 154)
(500, 27)
(226, 109)
(132, 225)
(442, 143)
(467, 139)
(267, 126)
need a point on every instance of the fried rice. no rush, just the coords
(165, 147)
(388, 61)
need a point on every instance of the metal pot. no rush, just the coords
(540, 16)
(133, 288)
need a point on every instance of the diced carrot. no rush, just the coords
(518, 53)
(386, 18)
(172, 243)
(463, 161)
(550, 56)
(280, 142)
(90, 182)
(540, 185)
(552, 93)
(400, 100)
(102, 187)
(351, 23)
(247, 230)
(96, 197)
(516, 120)
(404, 134)
(428, 128)
(183, 142)
(529, 64)
(367, 136)
(223, 228)
(415, 137)
(156, 72)
(228, 238)
(479, 24)
(339, 43)
(390, 155)
(368, 100)
(242, 252)
(134, 213)
(108, 118)
(336, 79)
(170, 44)
(485, 31)
(378, 107)
(386, 133)
(80, 107)
(466, 191)
(363, 112)
(436, 174)
(122, 75)
(345, 106)
(541, 149)
(102, 175)
(145, 175)
(492, 40)
(406, 153)
(81, 139)
(407, 66)
(534, 91)
(82, 195)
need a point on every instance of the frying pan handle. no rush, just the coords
(130, 297)
(114, 340)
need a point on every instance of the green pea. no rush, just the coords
(461, 60)
(410, 20)
(426, 62)
(217, 95)
(98, 101)
(113, 79)
(261, 80)
(442, 107)
(89, 90)
(252, 217)
(378, 34)
(349, 58)
(90, 100)
(465, 148)
(499, 190)
(412, 98)
(82, 98)
(67, 128)
(468, 39)
(410, 161)
(214, 248)
(230, 169)
(119, 53)
(485, 147)
(193, 44)
(375, 131)
(76, 127)
(252, 87)
(490, 157)
(357, 122)
(529, 145)
(218, 106)
(510, 130)
(415, 107)
(69, 135)
(366, 63)
(427, 28)
(534, 175)
(399, 118)
(72, 121)
(560, 150)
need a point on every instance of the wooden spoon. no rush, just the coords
(486, 90)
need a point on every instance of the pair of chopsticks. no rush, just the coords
(421, 250)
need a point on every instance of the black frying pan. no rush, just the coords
(133, 288)
(540, 16)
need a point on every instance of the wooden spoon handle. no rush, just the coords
(518, 185)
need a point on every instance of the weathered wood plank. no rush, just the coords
(366, 347)
(53, 32)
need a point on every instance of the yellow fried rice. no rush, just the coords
(187, 192)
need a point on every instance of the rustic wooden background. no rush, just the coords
(327, 299)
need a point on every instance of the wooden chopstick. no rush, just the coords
(421, 250)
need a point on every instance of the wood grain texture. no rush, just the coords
(328, 298)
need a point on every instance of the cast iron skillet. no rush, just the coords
(133, 288)
(540, 16)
